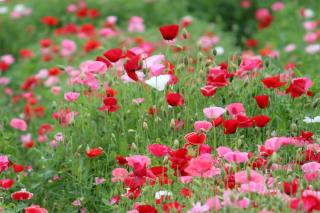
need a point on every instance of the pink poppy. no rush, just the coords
(310, 167)
(158, 150)
(202, 126)
(236, 157)
(71, 96)
(18, 124)
(235, 109)
(119, 174)
(138, 159)
(213, 112)
(202, 166)
(248, 176)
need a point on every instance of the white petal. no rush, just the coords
(159, 82)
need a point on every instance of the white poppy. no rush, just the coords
(159, 82)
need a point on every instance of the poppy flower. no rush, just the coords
(273, 82)
(113, 55)
(230, 126)
(35, 209)
(158, 150)
(169, 32)
(208, 90)
(21, 195)
(290, 188)
(175, 99)
(194, 138)
(261, 120)
(110, 104)
(94, 152)
(146, 209)
(6, 183)
(18, 168)
(50, 21)
(299, 86)
(131, 66)
(262, 101)
(91, 45)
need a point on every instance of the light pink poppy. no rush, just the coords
(138, 101)
(248, 176)
(99, 180)
(153, 60)
(253, 187)
(222, 150)
(213, 112)
(202, 126)
(186, 179)
(157, 69)
(236, 157)
(136, 24)
(8, 59)
(93, 67)
(68, 47)
(4, 81)
(310, 167)
(119, 174)
(277, 6)
(18, 124)
(71, 96)
(4, 163)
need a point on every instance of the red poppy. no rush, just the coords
(45, 42)
(194, 138)
(3, 66)
(18, 168)
(131, 66)
(262, 101)
(261, 120)
(94, 152)
(113, 55)
(299, 86)
(50, 21)
(218, 121)
(290, 188)
(91, 45)
(21, 195)
(244, 121)
(273, 82)
(146, 209)
(208, 90)
(251, 42)
(169, 32)
(110, 104)
(230, 126)
(35, 209)
(186, 192)
(175, 99)
(6, 183)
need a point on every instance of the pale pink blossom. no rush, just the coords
(18, 124)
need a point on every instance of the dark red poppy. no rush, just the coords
(146, 209)
(194, 138)
(262, 101)
(110, 104)
(18, 168)
(21, 195)
(46, 42)
(175, 99)
(91, 45)
(50, 21)
(230, 126)
(244, 121)
(273, 82)
(6, 183)
(261, 120)
(218, 121)
(169, 32)
(113, 55)
(208, 90)
(131, 66)
(3, 66)
(105, 61)
(94, 152)
(290, 188)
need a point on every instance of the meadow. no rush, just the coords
(148, 106)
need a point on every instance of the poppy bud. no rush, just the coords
(294, 127)
(214, 51)
(145, 125)
(176, 142)
(134, 147)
